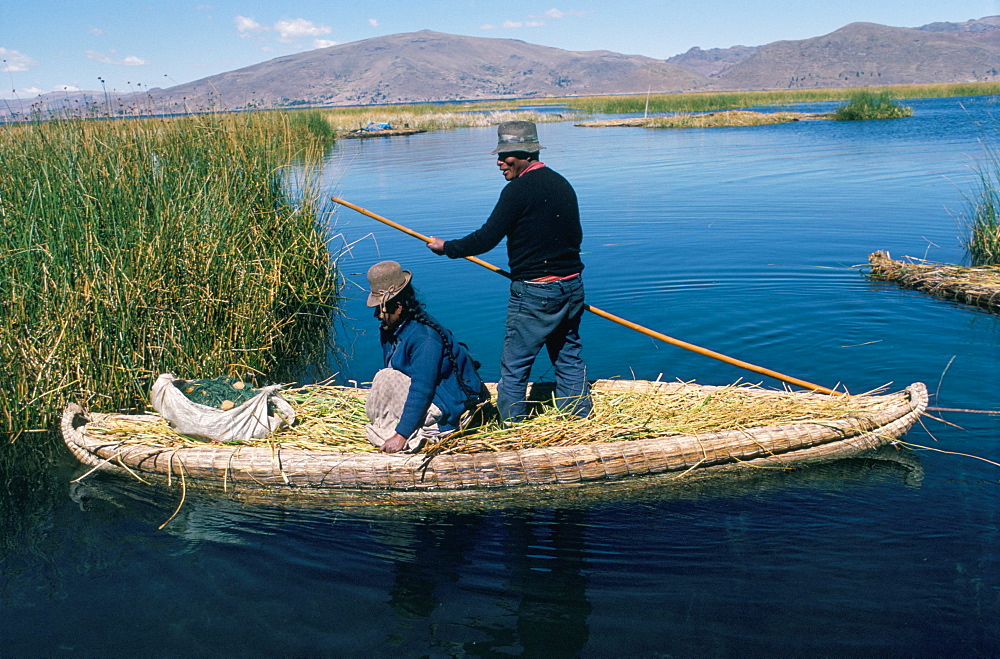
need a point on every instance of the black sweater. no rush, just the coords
(539, 215)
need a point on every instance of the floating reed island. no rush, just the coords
(731, 118)
(975, 285)
(863, 104)
(362, 133)
(638, 428)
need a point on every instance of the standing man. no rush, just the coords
(538, 214)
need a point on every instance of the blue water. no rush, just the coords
(744, 241)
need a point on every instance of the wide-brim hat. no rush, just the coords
(517, 136)
(387, 280)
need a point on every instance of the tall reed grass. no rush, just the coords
(709, 101)
(871, 104)
(428, 117)
(134, 247)
(982, 241)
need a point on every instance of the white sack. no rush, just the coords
(248, 421)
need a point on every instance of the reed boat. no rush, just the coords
(287, 465)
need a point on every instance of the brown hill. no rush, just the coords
(714, 61)
(430, 66)
(870, 54)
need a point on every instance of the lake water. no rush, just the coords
(744, 241)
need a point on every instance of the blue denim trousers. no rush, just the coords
(543, 315)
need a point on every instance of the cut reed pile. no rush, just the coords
(976, 285)
(333, 418)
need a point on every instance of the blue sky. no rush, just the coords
(51, 45)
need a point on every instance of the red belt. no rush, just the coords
(548, 279)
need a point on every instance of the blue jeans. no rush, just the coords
(543, 315)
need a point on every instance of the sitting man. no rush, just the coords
(429, 383)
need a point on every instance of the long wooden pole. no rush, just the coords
(616, 319)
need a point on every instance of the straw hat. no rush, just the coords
(387, 279)
(517, 136)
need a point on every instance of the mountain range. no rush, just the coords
(429, 66)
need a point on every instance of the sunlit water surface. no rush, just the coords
(745, 241)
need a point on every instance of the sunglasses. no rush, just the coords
(520, 155)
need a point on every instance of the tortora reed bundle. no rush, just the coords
(975, 285)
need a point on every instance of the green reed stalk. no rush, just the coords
(130, 248)
(426, 117)
(711, 101)
(871, 104)
(982, 242)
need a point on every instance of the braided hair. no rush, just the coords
(414, 309)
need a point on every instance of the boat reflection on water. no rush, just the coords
(486, 572)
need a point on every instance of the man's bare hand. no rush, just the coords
(436, 245)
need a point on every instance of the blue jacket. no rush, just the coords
(418, 351)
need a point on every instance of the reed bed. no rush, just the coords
(428, 117)
(982, 241)
(333, 418)
(134, 247)
(868, 104)
(724, 100)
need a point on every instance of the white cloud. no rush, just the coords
(33, 91)
(373, 22)
(558, 13)
(510, 25)
(11, 60)
(288, 30)
(96, 31)
(534, 20)
(298, 28)
(64, 88)
(247, 26)
(109, 57)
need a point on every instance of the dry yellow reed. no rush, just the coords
(976, 285)
(333, 418)
(706, 119)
